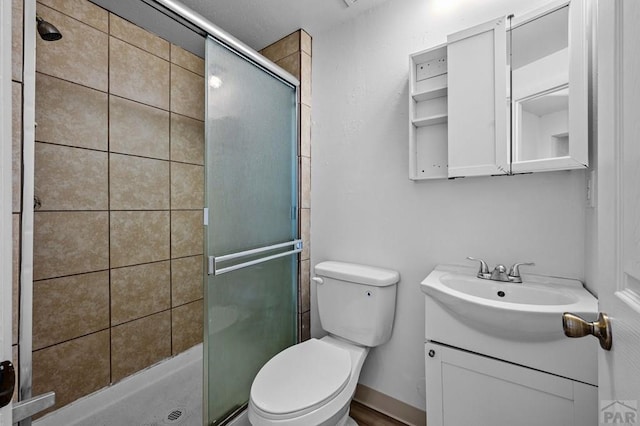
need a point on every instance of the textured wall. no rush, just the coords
(367, 210)
(119, 157)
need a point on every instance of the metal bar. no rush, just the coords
(226, 38)
(255, 262)
(6, 91)
(257, 251)
(28, 189)
(23, 410)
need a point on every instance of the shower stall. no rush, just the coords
(242, 195)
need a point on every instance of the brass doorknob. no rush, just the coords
(574, 326)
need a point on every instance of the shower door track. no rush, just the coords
(227, 39)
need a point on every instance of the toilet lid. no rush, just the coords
(301, 377)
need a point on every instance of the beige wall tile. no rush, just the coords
(187, 93)
(186, 280)
(16, 146)
(187, 326)
(138, 291)
(138, 129)
(304, 326)
(137, 36)
(139, 344)
(291, 64)
(187, 186)
(70, 114)
(305, 79)
(137, 183)
(305, 42)
(138, 75)
(305, 232)
(15, 278)
(305, 279)
(72, 369)
(186, 233)
(305, 182)
(68, 178)
(283, 47)
(70, 243)
(82, 10)
(305, 130)
(139, 237)
(81, 56)
(69, 307)
(16, 39)
(187, 139)
(186, 59)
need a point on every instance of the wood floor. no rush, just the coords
(365, 416)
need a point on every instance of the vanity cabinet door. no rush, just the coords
(464, 388)
(550, 72)
(478, 113)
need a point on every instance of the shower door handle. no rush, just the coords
(213, 260)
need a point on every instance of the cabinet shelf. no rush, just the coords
(425, 95)
(428, 121)
(428, 114)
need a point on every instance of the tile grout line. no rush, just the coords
(75, 83)
(56, 277)
(111, 326)
(109, 191)
(170, 209)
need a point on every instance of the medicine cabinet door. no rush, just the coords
(478, 112)
(549, 71)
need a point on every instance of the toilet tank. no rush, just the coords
(356, 302)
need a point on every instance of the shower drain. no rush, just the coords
(175, 416)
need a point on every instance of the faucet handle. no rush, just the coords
(483, 272)
(514, 272)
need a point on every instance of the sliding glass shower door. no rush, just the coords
(252, 246)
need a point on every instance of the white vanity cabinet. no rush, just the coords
(478, 113)
(465, 388)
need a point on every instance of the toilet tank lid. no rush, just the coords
(361, 274)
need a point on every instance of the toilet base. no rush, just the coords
(346, 420)
(350, 422)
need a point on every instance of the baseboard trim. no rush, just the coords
(390, 406)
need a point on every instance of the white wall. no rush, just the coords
(364, 207)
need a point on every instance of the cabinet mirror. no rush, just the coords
(546, 133)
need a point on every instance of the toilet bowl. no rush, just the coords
(312, 383)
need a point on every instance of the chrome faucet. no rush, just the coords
(500, 271)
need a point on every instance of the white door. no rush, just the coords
(618, 207)
(5, 193)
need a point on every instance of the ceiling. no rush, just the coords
(259, 23)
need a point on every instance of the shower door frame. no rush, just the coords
(290, 248)
(5, 195)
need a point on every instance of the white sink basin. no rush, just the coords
(531, 311)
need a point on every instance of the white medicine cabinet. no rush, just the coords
(504, 97)
(428, 114)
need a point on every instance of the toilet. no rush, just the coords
(312, 383)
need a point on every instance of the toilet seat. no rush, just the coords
(300, 379)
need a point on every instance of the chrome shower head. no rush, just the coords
(47, 30)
